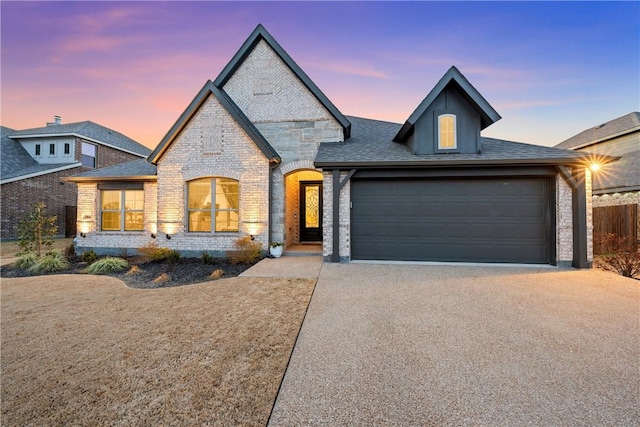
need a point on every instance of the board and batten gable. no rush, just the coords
(212, 144)
(450, 101)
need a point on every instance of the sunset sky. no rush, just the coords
(550, 69)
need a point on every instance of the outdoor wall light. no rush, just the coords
(595, 167)
(252, 237)
(168, 236)
(153, 235)
(83, 235)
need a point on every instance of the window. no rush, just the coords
(122, 210)
(447, 132)
(52, 149)
(88, 155)
(67, 148)
(213, 205)
(38, 153)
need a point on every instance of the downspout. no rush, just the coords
(335, 256)
(576, 181)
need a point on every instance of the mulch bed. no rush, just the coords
(160, 274)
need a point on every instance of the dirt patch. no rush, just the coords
(86, 350)
(143, 274)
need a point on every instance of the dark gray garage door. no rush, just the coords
(472, 220)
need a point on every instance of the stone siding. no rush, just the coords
(212, 145)
(345, 217)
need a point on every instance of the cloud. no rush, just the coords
(343, 67)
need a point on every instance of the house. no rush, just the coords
(262, 152)
(35, 161)
(616, 190)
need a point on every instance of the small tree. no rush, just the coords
(37, 229)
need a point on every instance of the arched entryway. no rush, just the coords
(303, 207)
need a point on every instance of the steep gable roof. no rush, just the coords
(87, 130)
(260, 33)
(235, 112)
(611, 129)
(488, 115)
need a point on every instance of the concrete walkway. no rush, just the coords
(287, 266)
(462, 345)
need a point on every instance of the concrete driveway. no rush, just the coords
(463, 345)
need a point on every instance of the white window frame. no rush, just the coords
(455, 132)
(94, 157)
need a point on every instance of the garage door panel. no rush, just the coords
(476, 220)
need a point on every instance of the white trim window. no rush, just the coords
(88, 157)
(122, 210)
(213, 205)
(447, 138)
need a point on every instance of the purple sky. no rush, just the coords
(551, 69)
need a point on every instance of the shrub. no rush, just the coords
(218, 273)
(133, 270)
(37, 229)
(70, 251)
(164, 277)
(107, 265)
(26, 260)
(206, 258)
(154, 253)
(248, 251)
(50, 263)
(89, 257)
(621, 255)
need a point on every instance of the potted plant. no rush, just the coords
(275, 249)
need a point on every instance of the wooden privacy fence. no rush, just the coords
(619, 220)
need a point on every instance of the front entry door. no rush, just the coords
(311, 211)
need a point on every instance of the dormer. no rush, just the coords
(449, 119)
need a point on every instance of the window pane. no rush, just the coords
(111, 200)
(133, 221)
(227, 194)
(67, 148)
(88, 161)
(447, 132)
(37, 149)
(200, 221)
(111, 221)
(52, 149)
(88, 149)
(200, 194)
(226, 220)
(134, 200)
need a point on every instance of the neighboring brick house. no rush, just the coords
(619, 183)
(35, 161)
(262, 152)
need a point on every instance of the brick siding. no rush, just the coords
(18, 196)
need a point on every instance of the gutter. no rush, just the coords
(438, 163)
(110, 178)
(42, 172)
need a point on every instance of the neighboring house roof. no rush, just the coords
(487, 114)
(623, 175)
(608, 130)
(372, 145)
(14, 156)
(17, 164)
(209, 88)
(260, 33)
(135, 170)
(86, 130)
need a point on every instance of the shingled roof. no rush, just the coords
(371, 145)
(611, 129)
(87, 130)
(136, 170)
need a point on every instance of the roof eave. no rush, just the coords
(88, 179)
(449, 163)
(77, 135)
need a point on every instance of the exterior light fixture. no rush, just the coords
(594, 167)
(153, 235)
(168, 236)
(83, 235)
(252, 237)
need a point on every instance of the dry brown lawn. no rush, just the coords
(87, 350)
(9, 249)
